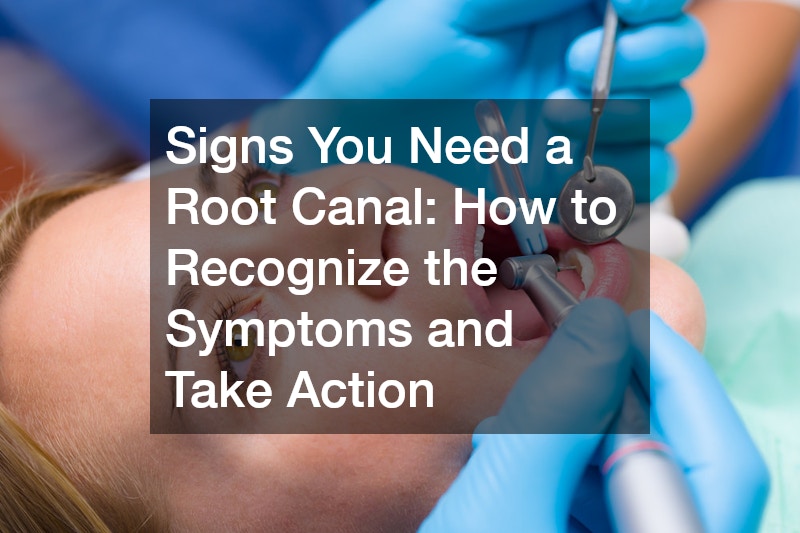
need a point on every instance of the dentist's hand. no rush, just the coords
(693, 415)
(553, 420)
(690, 408)
(519, 482)
(523, 49)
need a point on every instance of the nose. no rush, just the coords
(362, 200)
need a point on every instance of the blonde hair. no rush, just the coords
(27, 212)
(36, 493)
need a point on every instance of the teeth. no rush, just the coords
(478, 250)
(480, 231)
(585, 266)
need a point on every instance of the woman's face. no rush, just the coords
(76, 331)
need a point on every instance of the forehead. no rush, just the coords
(76, 307)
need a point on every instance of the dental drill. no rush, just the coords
(536, 275)
(647, 492)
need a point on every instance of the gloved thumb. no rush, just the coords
(644, 11)
(522, 475)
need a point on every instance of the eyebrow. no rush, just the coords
(184, 299)
(207, 179)
(186, 295)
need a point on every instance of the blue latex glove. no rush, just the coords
(692, 414)
(516, 483)
(690, 409)
(522, 49)
(519, 482)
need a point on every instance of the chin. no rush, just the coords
(676, 298)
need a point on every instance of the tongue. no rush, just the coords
(527, 323)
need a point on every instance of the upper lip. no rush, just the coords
(610, 260)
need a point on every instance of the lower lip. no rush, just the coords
(611, 263)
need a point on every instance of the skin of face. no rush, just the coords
(75, 337)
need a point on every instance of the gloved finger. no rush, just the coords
(656, 55)
(643, 11)
(475, 16)
(521, 480)
(589, 505)
(486, 427)
(663, 173)
(377, 57)
(660, 115)
(488, 16)
(589, 348)
(692, 411)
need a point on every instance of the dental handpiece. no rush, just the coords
(536, 275)
(646, 489)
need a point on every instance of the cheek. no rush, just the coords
(662, 286)
(321, 482)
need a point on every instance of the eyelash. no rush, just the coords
(224, 310)
(249, 172)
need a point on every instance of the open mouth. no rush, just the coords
(599, 271)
